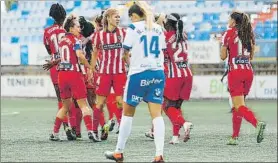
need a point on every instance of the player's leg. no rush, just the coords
(239, 88)
(78, 119)
(104, 83)
(65, 94)
(133, 94)
(185, 93)
(119, 81)
(59, 120)
(79, 93)
(154, 97)
(112, 108)
(169, 106)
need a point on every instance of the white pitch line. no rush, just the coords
(11, 113)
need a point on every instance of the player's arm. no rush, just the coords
(129, 42)
(82, 58)
(223, 52)
(96, 43)
(94, 58)
(80, 54)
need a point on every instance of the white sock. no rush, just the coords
(159, 134)
(125, 130)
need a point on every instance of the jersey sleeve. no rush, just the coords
(77, 45)
(129, 37)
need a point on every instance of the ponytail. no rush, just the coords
(179, 31)
(244, 28)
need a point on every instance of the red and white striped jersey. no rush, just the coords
(67, 48)
(51, 38)
(109, 45)
(238, 55)
(176, 56)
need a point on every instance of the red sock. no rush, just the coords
(88, 122)
(176, 130)
(101, 119)
(237, 119)
(173, 114)
(72, 115)
(248, 115)
(180, 119)
(57, 125)
(78, 120)
(96, 118)
(119, 113)
(110, 106)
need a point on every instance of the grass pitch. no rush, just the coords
(27, 123)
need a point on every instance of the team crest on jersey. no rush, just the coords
(119, 38)
(158, 92)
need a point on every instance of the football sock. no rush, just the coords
(236, 119)
(248, 115)
(159, 134)
(96, 117)
(125, 130)
(101, 119)
(88, 122)
(57, 125)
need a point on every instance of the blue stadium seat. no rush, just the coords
(77, 3)
(14, 39)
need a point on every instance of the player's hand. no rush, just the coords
(48, 65)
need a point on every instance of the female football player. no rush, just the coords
(145, 40)
(238, 41)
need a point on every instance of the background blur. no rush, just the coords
(23, 52)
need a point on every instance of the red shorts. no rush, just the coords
(104, 83)
(54, 75)
(179, 88)
(240, 82)
(71, 84)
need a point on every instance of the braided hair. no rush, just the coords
(58, 13)
(244, 29)
(174, 22)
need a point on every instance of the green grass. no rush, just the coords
(24, 135)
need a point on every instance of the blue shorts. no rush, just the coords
(147, 86)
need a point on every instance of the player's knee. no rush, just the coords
(170, 103)
(86, 111)
(179, 103)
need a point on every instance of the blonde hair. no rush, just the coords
(108, 13)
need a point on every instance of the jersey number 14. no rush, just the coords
(153, 48)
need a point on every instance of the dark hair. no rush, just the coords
(58, 13)
(135, 9)
(87, 28)
(244, 29)
(175, 23)
(70, 22)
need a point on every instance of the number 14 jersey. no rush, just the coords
(146, 47)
